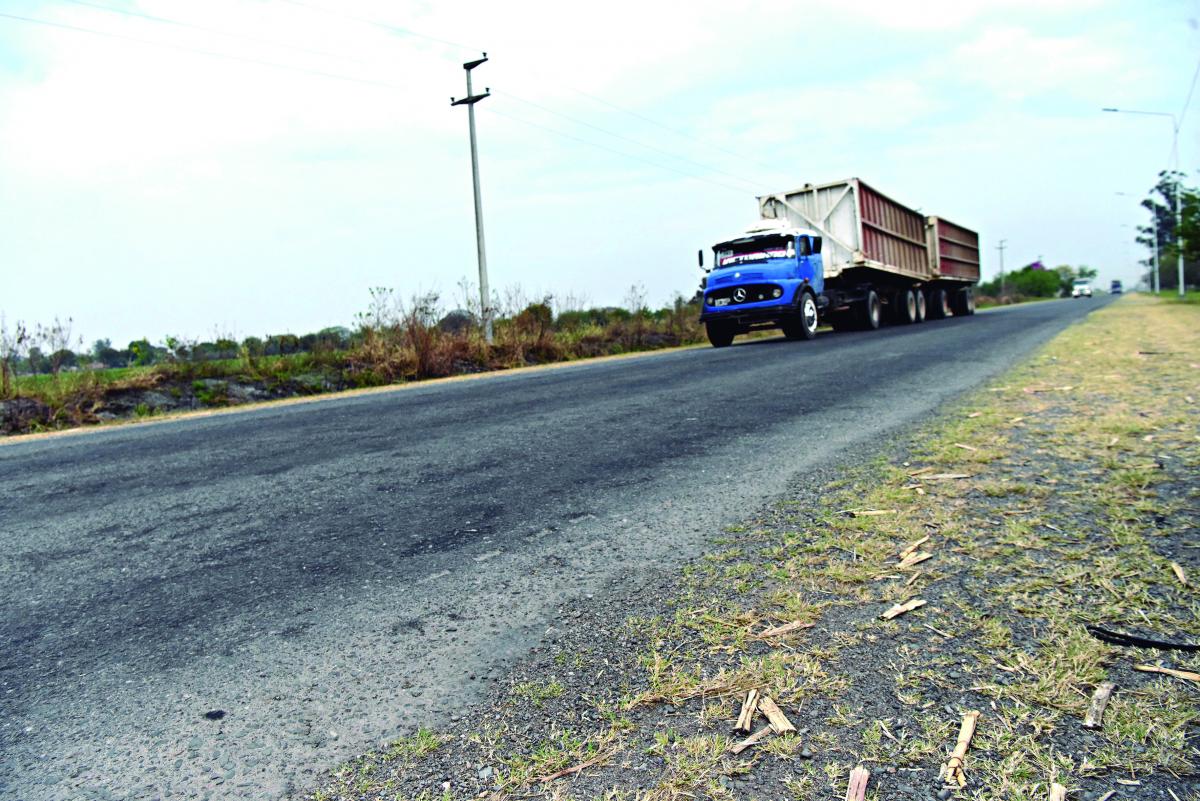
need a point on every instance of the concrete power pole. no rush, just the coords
(1001, 248)
(485, 300)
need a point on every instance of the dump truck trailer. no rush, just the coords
(841, 253)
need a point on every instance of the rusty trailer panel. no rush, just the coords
(892, 234)
(953, 250)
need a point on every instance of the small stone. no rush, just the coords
(485, 773)
(806, 754)
(944, 793)
(215, 714)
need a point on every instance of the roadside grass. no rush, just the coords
(1062, 494)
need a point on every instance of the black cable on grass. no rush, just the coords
(1118, 638)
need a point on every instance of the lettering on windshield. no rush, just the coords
(756, 252)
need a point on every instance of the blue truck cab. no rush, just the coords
(771, 276)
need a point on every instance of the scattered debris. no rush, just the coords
(965, 447)
(745, 719)
(786, 628)
(953, 771)
(1058, 792)
(779, 722)
(938, 631)
(753, 739)
(1108, 795)
(922, 471)
(1181, 674)
(868, 512)
(577, 768)
(973, 415)
(1016, 420)
(946, 476)
(913, 547)
(900, 609)
(857, 789)
(1177, 569)
(1134, 641)
(1095, 714)
(914, 559)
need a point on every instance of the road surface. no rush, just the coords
(220, 607)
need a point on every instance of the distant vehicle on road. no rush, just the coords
(841, 253)
(1082, 288)
(1115, 288)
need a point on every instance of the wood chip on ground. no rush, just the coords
(577, 768)
(745, 720)
(965, 447)
(1058, 792)
(1181, 674)
(753, 739)
(857, 789)
(900, 609)
(914, 559)
(786, 628)
(779, 722)
(953, 771)
(1095, 714)
(913, 546)
(946, 476)
(1177, 569)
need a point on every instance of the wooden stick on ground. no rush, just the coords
(779, 631)
(912, 547)
(753, 739)
(1095, 714)
(1182, 674)
(857, 789)
(568, 771)
(779, 722)
(1177, 569)
(914, 559)
(1058, 792)
(745, 721)
(900, 609)
(952, 771)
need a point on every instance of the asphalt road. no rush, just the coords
(221, 607)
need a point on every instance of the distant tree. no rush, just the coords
(63, 357)
(37, 361)
(1171, 237)
(59, 340)
(253, 346)
(13, 342)
(143, 352)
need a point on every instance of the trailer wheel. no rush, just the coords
(720, 334)
(870, 311)
(906, 307)
(804, 324)
(939, 304)
(963, 303)
(920, 305)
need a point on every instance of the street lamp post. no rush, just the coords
(1178, 199)
(1155, 262)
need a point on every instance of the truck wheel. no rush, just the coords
(968, 302)
(906, 307)
(939, 304)
(804, 324)
(920, 305)
(719, 334)
(869, 312)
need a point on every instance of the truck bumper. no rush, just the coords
(748, 315)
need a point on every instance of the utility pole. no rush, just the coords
(485, 301)
(1001, 248)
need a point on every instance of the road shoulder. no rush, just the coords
(1060, 496)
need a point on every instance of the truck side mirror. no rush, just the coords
(700, 257)
(816, 244)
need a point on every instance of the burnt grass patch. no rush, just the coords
(1062, 495)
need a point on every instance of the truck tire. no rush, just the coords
(906, 307)
(720, 334)
(963, 303)
(804, 324)
(920, 305)
(969, 301)
(869, 311)
(939, 304)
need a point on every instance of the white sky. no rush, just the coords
(147, 191)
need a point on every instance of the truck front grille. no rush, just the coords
(746, 293)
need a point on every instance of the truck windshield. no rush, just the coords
(731, 254)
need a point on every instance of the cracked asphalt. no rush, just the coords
(222, 607)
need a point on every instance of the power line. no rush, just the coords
(669, 129)
(202, 52)
(1188, 102)
(218, 31)
(740, 191)
(623, 138)
(383, 25)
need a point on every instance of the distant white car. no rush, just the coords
(1081, 288)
